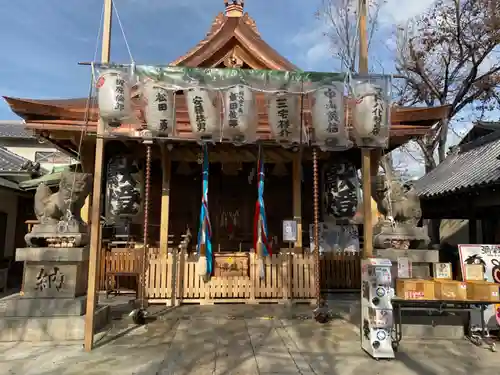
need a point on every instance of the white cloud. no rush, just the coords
(400, 11)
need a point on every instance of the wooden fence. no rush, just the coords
(174, 278)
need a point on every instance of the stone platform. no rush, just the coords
(53, 302)
(41, 327)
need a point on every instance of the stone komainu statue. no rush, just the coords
(60, 222)
(396, 202)
(401, 209)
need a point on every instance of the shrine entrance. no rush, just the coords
(232, 204)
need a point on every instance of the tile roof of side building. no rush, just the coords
(14, 129)
(11, 162)
(469, 166)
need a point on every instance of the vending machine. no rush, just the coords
(376, 308)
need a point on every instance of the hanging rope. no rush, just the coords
(316, 227)
(260, 232)
(204, 247)
(123, 32)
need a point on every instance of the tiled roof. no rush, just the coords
(10, 162)
(471, 165)
(14, 129)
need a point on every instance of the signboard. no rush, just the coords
(289, 231)
(489, 257)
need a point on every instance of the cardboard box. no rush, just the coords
(450, 290)
(415, 289)
(474, 272)
(482, 291)
(442, 271)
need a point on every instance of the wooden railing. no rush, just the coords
(173, 278)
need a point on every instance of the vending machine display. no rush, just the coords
(376, 308)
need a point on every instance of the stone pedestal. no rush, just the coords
(53, 303)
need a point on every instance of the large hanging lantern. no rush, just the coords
(123, 188)
(203, 113)
(340, 191)
(284, 117)
(160, 109)
(113, 94)
(370, 115)
(240, 120)
(328, 120)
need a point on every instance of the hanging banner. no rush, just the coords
(160, 109)
(371, 112)
(328, 117)
(489, 257)
(284, 117)
(240, 120)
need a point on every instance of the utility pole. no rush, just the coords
(95, 228)
(365, 152)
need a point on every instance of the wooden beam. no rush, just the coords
(166, 165)
(96, 196)
(297, 196)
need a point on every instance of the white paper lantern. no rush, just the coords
(203, 113)
(240, 120)
(160, 109)
(284, 117)
(328, 116)
(113, 93)
(370, 111)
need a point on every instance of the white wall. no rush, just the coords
(8, 204)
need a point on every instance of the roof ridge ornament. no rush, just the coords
(234, 8)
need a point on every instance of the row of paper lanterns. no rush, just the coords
(240, 118)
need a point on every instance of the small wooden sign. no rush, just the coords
(474, 272)
(289, 231)
(443, 271)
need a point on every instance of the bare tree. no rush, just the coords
(449, 55)
(341, 19)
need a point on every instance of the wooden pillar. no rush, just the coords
(165, 198)
(297, 196)
(96, 195)
(366, 153)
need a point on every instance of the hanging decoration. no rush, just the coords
(284, 117)
(204, 247)
(113, 96)
(240, 120)
(222, 104)
(160, 109)
(328, 118)
(203, 114)
(371, 113)
(340, 191)
(123, 188)
(260, 232)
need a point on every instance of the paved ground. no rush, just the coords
(246, 340)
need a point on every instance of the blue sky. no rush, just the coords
(43, 40)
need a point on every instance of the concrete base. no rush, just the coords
(59, 328)
(17, 306)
